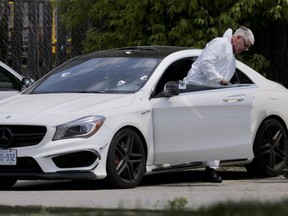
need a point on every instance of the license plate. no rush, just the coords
(8, 157)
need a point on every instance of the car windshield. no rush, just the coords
(99, 75)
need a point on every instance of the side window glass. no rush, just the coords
(240, 78)
(8, 82)
(176, 71)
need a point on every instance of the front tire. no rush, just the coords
(126, 160)
(270, 150)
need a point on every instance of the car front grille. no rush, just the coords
(12, 136)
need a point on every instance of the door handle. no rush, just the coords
(234, 98)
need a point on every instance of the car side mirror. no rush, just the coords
(171, 89)
(26, 82)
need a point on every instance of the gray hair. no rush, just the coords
(246, 33)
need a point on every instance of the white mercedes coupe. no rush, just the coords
(123, 113)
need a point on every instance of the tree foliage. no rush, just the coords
(118, 23)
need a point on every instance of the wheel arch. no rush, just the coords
(141, 136)
(119, 173)
(275, 117)
(280, 120)
(259, 167)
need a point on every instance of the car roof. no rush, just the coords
(137, 51)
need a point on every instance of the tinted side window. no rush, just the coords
(176, 71)
(8, 82)
(240, 78)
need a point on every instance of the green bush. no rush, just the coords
(175, 207)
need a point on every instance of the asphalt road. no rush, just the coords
(154, 192)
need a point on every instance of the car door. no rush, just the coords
(202, 125)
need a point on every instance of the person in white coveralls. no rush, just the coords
(216, 66)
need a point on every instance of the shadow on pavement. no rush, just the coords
(187, 177)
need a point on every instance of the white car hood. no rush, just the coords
(62, 107)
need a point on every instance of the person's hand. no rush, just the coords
(224, 82)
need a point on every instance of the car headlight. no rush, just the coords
(84, 127)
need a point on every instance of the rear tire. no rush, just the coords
(126, 160)
(270, 150)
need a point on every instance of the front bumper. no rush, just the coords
(82, 163)
(81, 175)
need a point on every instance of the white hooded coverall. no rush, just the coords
(216, 62)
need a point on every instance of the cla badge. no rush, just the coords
(5, 137)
